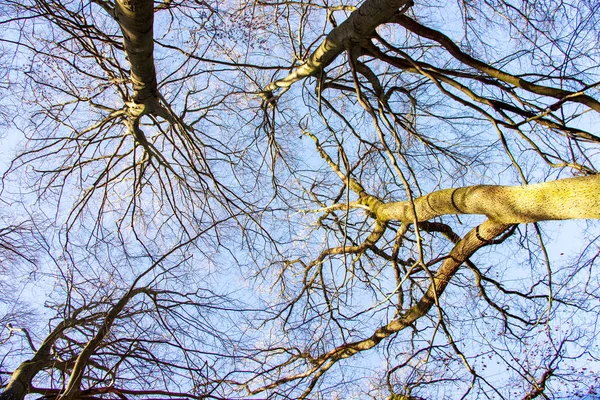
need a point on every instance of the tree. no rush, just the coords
(180, 151)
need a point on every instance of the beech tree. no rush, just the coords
(305, 199)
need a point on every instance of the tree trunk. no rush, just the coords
(573, 198)
(136, 19)
(21, 379)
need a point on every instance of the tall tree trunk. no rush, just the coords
(573, 198)
(136, 19)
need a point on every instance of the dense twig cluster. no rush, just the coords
(277, 198)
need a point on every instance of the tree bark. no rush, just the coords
(572, 198)
(20, 380)
(136, 19)
(357, 28)
(477, 238)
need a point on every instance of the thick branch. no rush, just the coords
(74, 386)
(477, 238)
(453, 49)
(573, 198)
(442, 75)
(359, 27)
(21, 378)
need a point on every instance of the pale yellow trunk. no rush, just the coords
(574, 198)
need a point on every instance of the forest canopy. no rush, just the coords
(379, 199)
